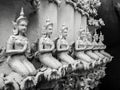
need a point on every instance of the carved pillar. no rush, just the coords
(83, 8)
(47, 10)
(84, 21)
(77, 24)
(66, 16)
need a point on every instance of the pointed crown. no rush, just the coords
(81, 29)
(95, 36)
(82, 33)
(64, 27)
(101, 37)
(88, 32)
(21, 16)
(48, 22)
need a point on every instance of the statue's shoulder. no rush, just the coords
(11, 38)
(79, 41)
(25, 39)
(41, 39)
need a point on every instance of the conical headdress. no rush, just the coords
(101, 36)
(48, 22)
(21, 16)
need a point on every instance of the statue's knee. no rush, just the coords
(59, 64)
(22, 71)
(33, 72)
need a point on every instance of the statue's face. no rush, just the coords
(83, 35)
(22, 26)
(96, 37)
(64, 33)
(50, 29)
(89, 37)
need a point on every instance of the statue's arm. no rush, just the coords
(58, 46)
(61, 49)
(76, 45)
(11, 50)
(41, 47)
(68, 47)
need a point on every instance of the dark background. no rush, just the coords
(109, 12)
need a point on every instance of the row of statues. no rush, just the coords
(86, 52)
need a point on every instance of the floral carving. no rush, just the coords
(58, 2)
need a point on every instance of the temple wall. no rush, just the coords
(77, 23)
(8, 12)
(65, 14)
(47, 11)
(6, 16)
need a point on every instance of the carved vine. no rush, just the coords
(57, 2)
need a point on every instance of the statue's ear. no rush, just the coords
(15, 31)
(14, 23)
